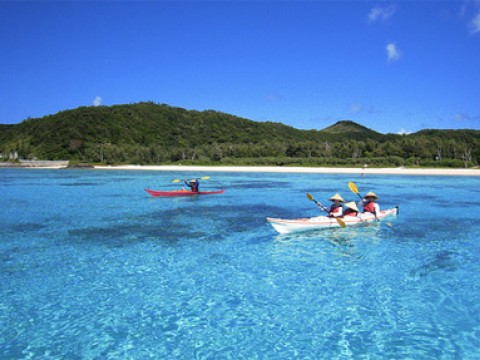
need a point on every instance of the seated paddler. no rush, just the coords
(336, 209)
(193, 185)
(370, 204)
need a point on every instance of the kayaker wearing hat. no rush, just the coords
(193, 184)
(351, 210)
(369, 203)
(336, 208)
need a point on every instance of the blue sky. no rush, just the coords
(393, 66)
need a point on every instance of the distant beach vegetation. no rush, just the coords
(148, 133)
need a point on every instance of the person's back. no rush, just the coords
(351, 210)
(193, 185)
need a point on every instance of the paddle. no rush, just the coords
(354, 188)
(311, 198)
(202, 178)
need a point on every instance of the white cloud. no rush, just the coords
(475, 24)
(381, 13)
(356, 108)
(97, 101)
(468, 8)
(461, 117)
(403, 131)
(392, 52)
(361, 109)
(274, 98)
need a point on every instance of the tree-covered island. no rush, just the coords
(149, 133)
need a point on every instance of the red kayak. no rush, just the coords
(182, 192)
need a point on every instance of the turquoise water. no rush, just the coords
(92, 267)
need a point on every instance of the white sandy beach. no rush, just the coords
(309, 170)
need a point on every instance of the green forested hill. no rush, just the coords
(149, 133)
(352, 130)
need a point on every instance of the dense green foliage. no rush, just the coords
(148, 133)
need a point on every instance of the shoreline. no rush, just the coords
(300, 170)
(35, 164)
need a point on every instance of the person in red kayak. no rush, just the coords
(351, 210)
(193, 185)
(336, 208)
(369, 203)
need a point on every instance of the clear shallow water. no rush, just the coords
(92, 267)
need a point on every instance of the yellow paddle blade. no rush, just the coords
(353, 187)
(309, 196)
(340, 222)
(176, 180)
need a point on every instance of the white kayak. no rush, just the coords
(285, 226)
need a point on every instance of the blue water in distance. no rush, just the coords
(92, 267)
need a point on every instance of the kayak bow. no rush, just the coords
(157, 193)
(285, 226)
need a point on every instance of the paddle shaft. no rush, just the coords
(320, 205)
(202, 178)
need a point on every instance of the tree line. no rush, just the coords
(419, 151)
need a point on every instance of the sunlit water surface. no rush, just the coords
(92, 267)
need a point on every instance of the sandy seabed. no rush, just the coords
(309, 170)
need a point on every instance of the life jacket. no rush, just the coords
(369, 207)
(350, 212)
(334, 210)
